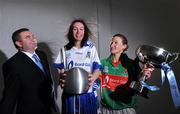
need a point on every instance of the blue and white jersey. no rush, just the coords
(85, 57)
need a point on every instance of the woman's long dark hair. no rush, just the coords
(70, 37)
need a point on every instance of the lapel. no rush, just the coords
(45, 64)
(31, 63)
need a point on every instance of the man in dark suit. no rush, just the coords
(28, 88)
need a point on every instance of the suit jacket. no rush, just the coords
(27, 87)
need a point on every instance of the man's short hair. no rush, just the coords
(15, 35)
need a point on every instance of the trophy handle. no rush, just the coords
(172, 57)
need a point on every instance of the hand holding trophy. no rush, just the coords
(159, 58)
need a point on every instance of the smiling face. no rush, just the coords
(27, 42)
(78, 31)
(117, 46)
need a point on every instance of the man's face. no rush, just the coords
(27, 42)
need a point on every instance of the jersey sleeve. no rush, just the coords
(95, 60)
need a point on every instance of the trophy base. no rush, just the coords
(139, 89)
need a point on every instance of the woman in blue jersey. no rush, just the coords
(118, 71)
(79, 52)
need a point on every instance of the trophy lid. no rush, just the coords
(76, 81)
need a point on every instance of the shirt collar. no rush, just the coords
(113, 63)
(28, 54)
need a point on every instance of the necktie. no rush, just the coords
(38, 62)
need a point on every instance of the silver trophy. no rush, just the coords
(76, 81)
(151, 55)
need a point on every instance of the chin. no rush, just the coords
(113, 52)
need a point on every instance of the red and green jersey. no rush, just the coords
(113, 75)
